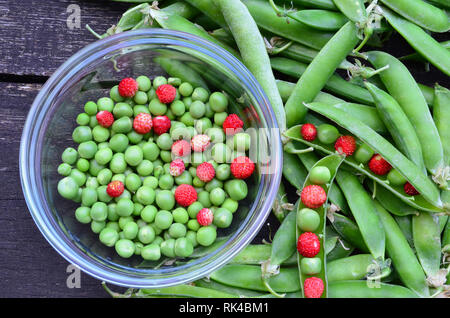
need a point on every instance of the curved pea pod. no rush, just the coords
(176, 22)
(332, 162)
(267, 19)
(208, 8)
(441, 116)
(349, 230)
(335, 83)
(281, 205)
(352, 9)
(240, 292)
(446, 238)
(427, 242)
(405, 225)
(323, 20)
(283, 244)
(320, 4)
(184, 291)
(335, 246)
(405, 262)
(421, 13)
(250, 277)
(403, 88)
(356, 267)
(318, 72)
(293, 170)
(398, 124)
(364, 212)
(441, 3)
(429, 198)
(361, 289)
(253, 254)
(422, 42)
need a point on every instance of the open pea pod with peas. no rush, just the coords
(429, 197)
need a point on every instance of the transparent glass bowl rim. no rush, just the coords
(30, 167)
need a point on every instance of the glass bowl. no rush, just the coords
(88, 75)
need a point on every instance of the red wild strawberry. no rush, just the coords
(105, 118)
(177, 167)
(128, 87)
(115, 188)
(313, 196)
(166, 93)
(205, 172)
(308, 244)
(161, 124)
(313, 287)
(345, 145)
(181, 148)
(143, 123)
(205, 217)
(199, 143)
(309, 132)
(410, 190)
(185, 195)
(378, 165)
(242, 167)
(232, 124)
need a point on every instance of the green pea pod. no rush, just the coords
(349, 230)
(250, 277)
(361, 289)
(185, 291)
(268, 20)
(173, 21)
(278, 208)
(380, 145)
(398, 124)
(335, 83)
(253, 254)
(422, 42)
(284, 241)
(427, 242)
(356, 267)
(405, 225)
(332, 162)
(421, 13)
(319, 4)
(418, 58)
(353, 9)
(253, 51)
(319, 71)
(131, 17)
(364, 212)
(241, 292)
(323, 20)
(446, 238)
(335, 246)
(293, 170)
(441, 116)
(208, 8)
(441, 3)
(405, 262)
(403, 88)
(179, 69)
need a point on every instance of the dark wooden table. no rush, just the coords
(35, 40)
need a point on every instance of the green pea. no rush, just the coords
(327, 134)
(158, 81)
(151, 182)
(178, 108)
(150, 151)
(164, 141)
(122, 110)
(187, 102)
(180, 215)
(82, 165)
(163, 219)
(109, 236)
(223, 172)
(197, 158)
(146, 234)
(308, 220)
(140, 109)
(125, 248)
(97, 226)
(216, 135)
(200, 94)
(100, 134)
(87, 149)
(133, 182)
(151, 252)
(68, 188)
(113, 225)
(157, 108)
(122, 125)
(83, 215)
(134, 137)
(363, 153)
(123, 220)
(177, 230)
(88, 196)
(138, 246)
(92, 182)
(130, 230)
(124, 207)
(183, 247)
(64, 169)
(185, 89)
(221, 153)
(197, 183)
(203, 198)
(148, 213)
(230, 204)
(320, 175)
(311, 266)
(90, 108)
(69, 156)
(144, 83)
(218, 102)
(222, 218)
(187, 119)
(83, 119)
(140, 98)
(165, 199)
(206, 235)
(145, 195)
(197, 109)
(99, 211)
(81, 134)
(166, 156)
(93, 121)
(219, 118)
(217, 196)
(112, 214)
(236, 189)
(193, 225)
(395, 178)
(118, 163)
(168, 248)
(166, 182)
(118, 142)
(184, 178)
(105, 103)
(103, 156)
(134, 155)
(194, 208)
(95, 167)
(114, 94)
(213, 184)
